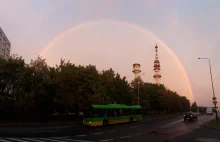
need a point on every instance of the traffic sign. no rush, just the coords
(214, 102)
(214, 98)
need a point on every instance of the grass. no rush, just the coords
(214, 124)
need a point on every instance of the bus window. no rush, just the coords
(126, 112)
(116, 112)
(109, 112)
(99, 113)
(132, 112)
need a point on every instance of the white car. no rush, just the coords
(209, 111)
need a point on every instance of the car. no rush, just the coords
(190, 116)
(209, 111)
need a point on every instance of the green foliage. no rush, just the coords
(158, 98)
(194, 107)
(36, 89)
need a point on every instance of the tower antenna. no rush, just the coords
(157, 75)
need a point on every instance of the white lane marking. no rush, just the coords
(44, 131)
(172, 123)
(111, 131)
(51, 140)
(76, 140)
(201, 117)
(139, 134)
(4, 140)
(98, 133)
(132, 135)
(107, 140)
(29, 139)
(61, 137)
(126, 136)
(17, 140)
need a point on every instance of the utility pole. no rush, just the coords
(213, 91)
(138, 80)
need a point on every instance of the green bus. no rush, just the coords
(103, 115)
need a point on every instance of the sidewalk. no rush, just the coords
(202, 134)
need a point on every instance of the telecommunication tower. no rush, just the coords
(136, 70)
(157, 75)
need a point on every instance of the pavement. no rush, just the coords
(47, 130)
(203, 134)
(158, 129)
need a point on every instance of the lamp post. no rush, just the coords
(214, 98)
(138, 79)
(180, 99)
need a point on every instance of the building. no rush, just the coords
(5, 45)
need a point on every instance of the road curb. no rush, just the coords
(206, 125)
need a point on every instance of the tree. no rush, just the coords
(10, 75)
(36, 89)
(194, 107)
(185, 104)
(117, 89)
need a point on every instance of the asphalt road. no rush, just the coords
(203, 134)
(169, 129)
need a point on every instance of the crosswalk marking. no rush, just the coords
(43, 139)
(51, 140)
(16, 140)
(77, 140)
(29, 139)
(4, 140)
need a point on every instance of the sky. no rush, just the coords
(117, 33)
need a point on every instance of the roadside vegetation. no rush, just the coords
(214, 124)
(36, 91)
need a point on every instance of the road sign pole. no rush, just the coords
(214, 98)
(215, 102)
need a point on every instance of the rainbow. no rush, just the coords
(80, 26)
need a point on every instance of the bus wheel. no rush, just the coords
(131, 120)
(105, 123)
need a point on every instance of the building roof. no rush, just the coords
(136, 64)
(5, 36)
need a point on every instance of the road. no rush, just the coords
(168, 129)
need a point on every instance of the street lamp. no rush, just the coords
(214, 98)
(138, 84)
(180, 99)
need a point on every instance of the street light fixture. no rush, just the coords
(214, 98)
(138, 84)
